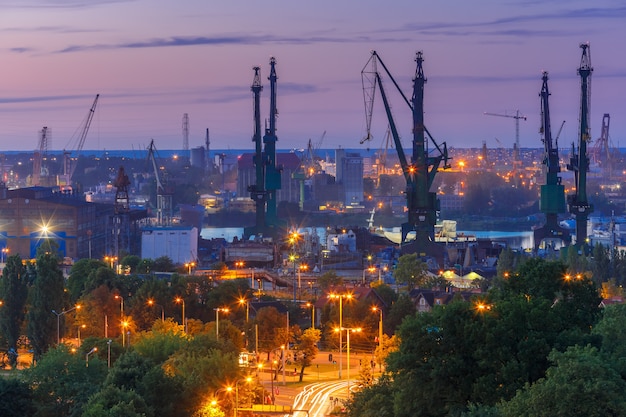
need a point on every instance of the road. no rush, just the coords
(319, 398)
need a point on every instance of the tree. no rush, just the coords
(269, 321)
(306, 348)
(13, 293)
(113, 401)
(366, 375)
(579, 384)
(410, 271)
(62, 383)
(80, 275)
(132, 262)
(15, 398)
(46, 295)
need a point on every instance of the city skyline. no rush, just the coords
(153, 63)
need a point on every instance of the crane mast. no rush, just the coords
(419, 172)
(552, 201)
(516, 146)
(272, 171)
(579, 206)
(164, 197)
(257, 191)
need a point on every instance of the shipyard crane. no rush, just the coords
(419, 171)
(39, 156)
(69, 165)
(578, 203)
(257, 190)
(602, 152)
(163, 194)
(517, 117)
(272, 171)
(552, 201)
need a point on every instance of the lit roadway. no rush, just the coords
(316, 398)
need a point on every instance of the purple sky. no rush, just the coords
(151, 61)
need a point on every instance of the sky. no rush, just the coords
(152, 61)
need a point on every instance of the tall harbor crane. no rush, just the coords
(257, 190)
(163, 193)
(552, 201)
(579, 205)
(419, 171)
(268, 174)
(516, 146)
(69, 163)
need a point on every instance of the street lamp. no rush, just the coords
(119, 297)
(312, 314)
(87, 356)
(302, 267)
(348, 331)
(151, 303)
(247, 379)
(109, 353)
(190, 266)
(5, 253)
(217, 320)
(180, 300)
(227, 389)
(243, 301)
(340, 297)
(76, 307)
(380, 325)
(124, 326)
(82, 326)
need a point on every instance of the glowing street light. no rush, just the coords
(124, 327)
(190, 266)
(243, 301)
(312, 314)
(82, 326)
(5, 253)
(217, 320)
(340, 297)
(248, 379)
(151, 303)
(76, 307)
(94, 350)
(348, 331)
(380, 325)
(180, 300)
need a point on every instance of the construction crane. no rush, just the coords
(69, 165)
(552, 201)
(517, 117)
(579, 206)
(257, 190)
(602, 152)
(419, 172)
(38, 157)
(163, 194)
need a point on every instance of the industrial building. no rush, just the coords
(31, 216)
(290, 164)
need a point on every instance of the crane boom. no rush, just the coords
(517, 116)
(83, 135)
(420, 170)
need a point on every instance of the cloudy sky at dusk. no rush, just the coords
(151, 61)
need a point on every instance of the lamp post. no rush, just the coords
(180, 300)
(82, 326)
(380, 324)
(109, 353)
(217, 320)
(243, 301)
(119, 297)
(247, 379)
(124, 326)
(151, 303)
(190, 266)
(302, 267)
(312, 314)
(87, 356)
(348, 331)
(227, 389)
(340, 297)
(59, 320)
(5, 252)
